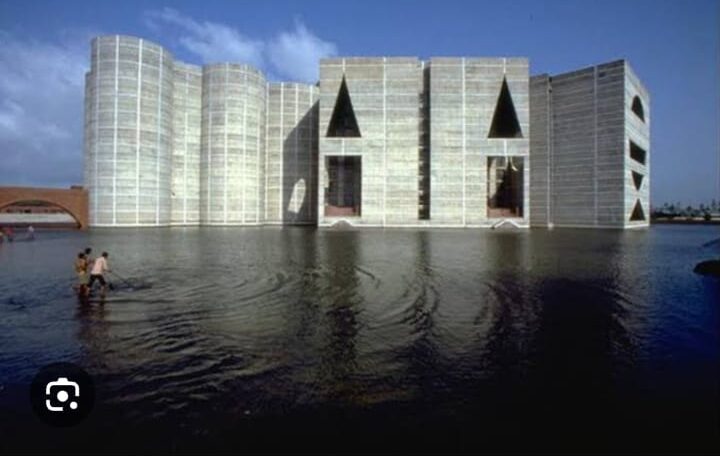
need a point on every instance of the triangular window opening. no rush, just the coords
(637, 214)
(505, 122)
(343, 123)
(637, 179)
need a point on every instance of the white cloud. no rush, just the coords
(42, 86)
(296, 54)
(41, 109)
(292, 55)
(210, 41)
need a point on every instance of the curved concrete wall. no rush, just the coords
(232, 164)
(129, 128)
(187, 108)
(291, 150)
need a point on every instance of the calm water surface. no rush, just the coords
(320, 340)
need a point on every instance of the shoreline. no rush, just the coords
(682, 221)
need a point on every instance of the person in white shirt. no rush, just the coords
(99, 267)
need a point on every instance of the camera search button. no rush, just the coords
(62, 394)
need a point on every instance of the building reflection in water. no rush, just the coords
(579, 330)
(485, 328)
(340, 301)
(93, 330)
(420, 354)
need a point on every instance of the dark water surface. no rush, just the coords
(300, 339)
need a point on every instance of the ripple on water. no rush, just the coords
(275, 321)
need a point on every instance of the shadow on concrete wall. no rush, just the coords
(299, 174)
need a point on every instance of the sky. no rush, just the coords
(673, 46)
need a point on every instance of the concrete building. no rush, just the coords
(479, 147)
(291, 154)
(232, 164)
(369, 141)
(187, 112)
(378, 142)
(590, 143)
(129, 132)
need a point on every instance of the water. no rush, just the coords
(300, 339)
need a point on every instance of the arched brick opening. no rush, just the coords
(74, 201)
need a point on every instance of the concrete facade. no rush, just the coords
(385, 94)
(584, 128)
(637, 131)
(291, 154)
(187, 112)
(378, 142)
(129, 131)
(232, 165)
(464, 95)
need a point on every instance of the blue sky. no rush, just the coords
(674, 46)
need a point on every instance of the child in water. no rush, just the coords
(81, 269)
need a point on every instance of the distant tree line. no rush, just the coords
(671, 211)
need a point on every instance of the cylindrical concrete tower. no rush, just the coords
(232, 164)
(291, 154)
(128, 149)
(89, 133)
(187, 108)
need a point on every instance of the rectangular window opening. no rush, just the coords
(505, 186)
(637, 153)
(343, 194)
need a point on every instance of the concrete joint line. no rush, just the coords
(257, 165)
(384, 141)
(244, 146)
(115, 126)
(295, 146)
(342, 140)
(595, 144)
(549, 152)
(97, 129)
(137, 134)
(282, 147)
(208, 133)
(311, 182)
(464, 143)
(185, 147)
(267, 122)
(157, 152)
(225, 149)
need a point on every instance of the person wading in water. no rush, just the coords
(88, 258)
(81, 269)
(99, 267)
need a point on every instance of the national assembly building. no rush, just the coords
(377, 142)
